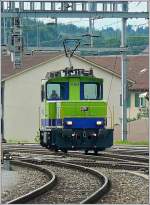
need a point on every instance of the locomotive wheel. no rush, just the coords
(65, 150)
(86, 151)
(96, 152)
(56, 149)
(102, 149)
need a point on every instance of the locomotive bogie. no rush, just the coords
(68, 139)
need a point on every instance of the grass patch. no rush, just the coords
(10, 141)
(126, 142)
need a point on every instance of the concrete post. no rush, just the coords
(21, 6)
(37, 35)
(124, 81)
(32, 6)
(53, 6)
(148, 6)
(4, 30)
(27, 41)
(56, 21)
(73, 6)
(42, 6)
(2, 6)
(83, 6)
(16, 42)
(91, 32)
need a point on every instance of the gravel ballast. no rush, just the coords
(73, 186)
(126, 188)
(29, 179)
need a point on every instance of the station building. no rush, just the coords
(21, 89)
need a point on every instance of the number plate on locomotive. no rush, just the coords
(84, 109)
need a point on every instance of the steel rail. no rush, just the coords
(112, 156)
(113, 165)
(106, 183)
(105, 155)
(131, 158)
(131, 152)
(98, 193)
(24, 198)
(108, 163)
(106, 186)
(33, 194)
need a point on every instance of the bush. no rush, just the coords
(37, 138)
(131, 119)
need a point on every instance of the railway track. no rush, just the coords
(101, 156)
(104, 159)
(21, 196)
(130, 150)
(76, 184)
(92, 161)
(127, 187)
(124, 150)
(105, 163)
(79, 189)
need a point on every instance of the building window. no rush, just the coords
(120, 100)
(142, 102)
(129, 99)
(137, 100)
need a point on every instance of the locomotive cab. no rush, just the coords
(73, 112)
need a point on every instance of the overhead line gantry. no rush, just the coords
(69, 9)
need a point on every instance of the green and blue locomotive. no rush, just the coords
(73, 112)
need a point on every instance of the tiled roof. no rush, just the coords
(28, 62)
(138, 66)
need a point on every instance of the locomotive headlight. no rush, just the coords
(69, 122)
(99, 122)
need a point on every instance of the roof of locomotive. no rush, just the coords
(69, 73)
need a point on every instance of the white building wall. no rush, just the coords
(22, 98)
(133, 111)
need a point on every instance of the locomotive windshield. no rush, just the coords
(57, 91)
(91, 91)
(53, 91)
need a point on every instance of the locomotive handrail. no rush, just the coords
(111, 117)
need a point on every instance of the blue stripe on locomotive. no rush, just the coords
(84, 123)
(77, 123)
(51, 122)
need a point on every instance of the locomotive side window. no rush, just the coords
(53, 91)
(42, 93)
(57, 91)
(90, 91)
